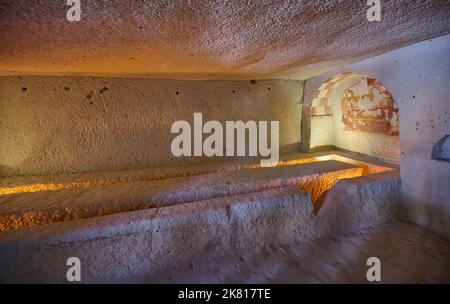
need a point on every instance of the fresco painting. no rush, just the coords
(367, 106)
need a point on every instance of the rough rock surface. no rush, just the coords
(38, 208)
(61, 125)
(368, 199)
(19, 184)
(137, 246)
(212, 39)
(417, 76)
(408, 254)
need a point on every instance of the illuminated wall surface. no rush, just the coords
(417, 77)
(355, 112)
(60, 125)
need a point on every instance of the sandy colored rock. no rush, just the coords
(138, 246)
(417, 76)
(408, 254)
(50, 131)
(207, 39)
(38, 208)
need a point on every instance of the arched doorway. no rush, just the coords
(355, 112)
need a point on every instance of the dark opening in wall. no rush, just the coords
(441, 150)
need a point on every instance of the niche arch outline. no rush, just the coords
(356, 112)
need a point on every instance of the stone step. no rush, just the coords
(135, 246)
(18, 184)
(37, 208)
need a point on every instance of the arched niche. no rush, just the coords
(355, 112)
(441, 150)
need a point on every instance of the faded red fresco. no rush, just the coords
(368, 106)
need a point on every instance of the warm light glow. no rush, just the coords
(316, 184)
(37, 187)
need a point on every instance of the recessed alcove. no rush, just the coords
(90, 109)
(355, 112)
(441, 150)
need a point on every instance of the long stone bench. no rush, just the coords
(133, 246)
(37, 208)
(18, 184)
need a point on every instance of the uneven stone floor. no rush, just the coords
(408, 254)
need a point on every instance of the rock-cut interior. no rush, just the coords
(88, 121)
